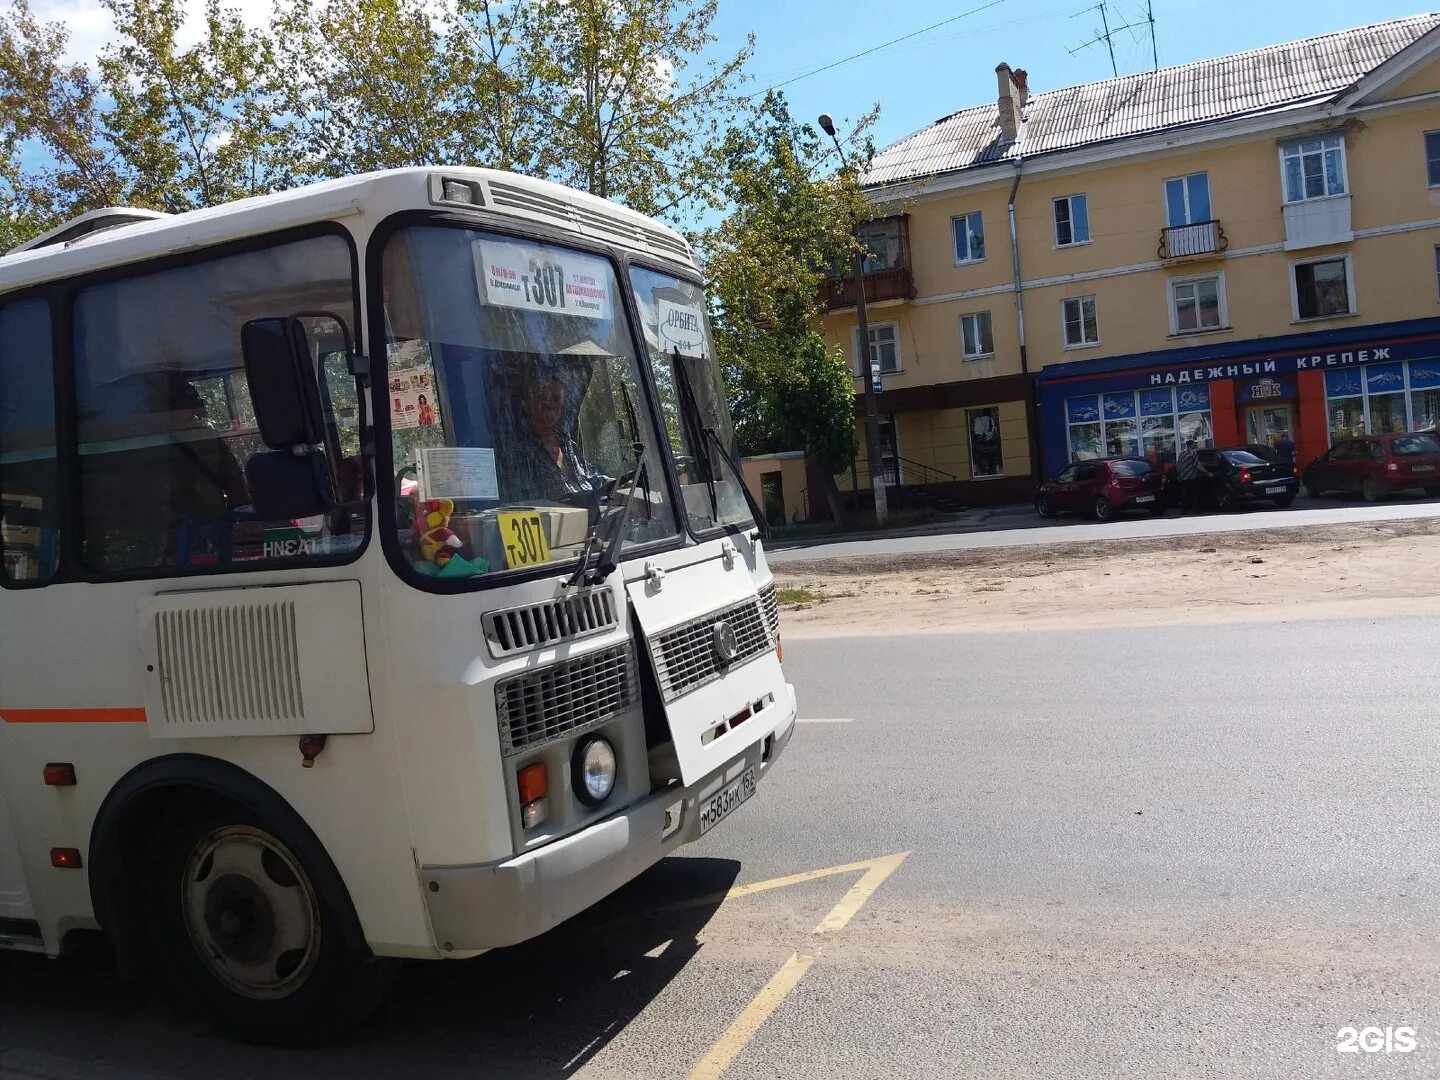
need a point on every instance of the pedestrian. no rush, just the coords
(1187, 471)
(1285, 448)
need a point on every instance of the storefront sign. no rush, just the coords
(1265, 389)
(1284, 364)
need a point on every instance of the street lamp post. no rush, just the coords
(872, 382)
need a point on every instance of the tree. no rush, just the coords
(767, 262)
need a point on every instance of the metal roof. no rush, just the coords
(1262, 80)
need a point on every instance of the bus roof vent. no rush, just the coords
(87, 225)
(593, 222)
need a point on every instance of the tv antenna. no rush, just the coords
(1106, 33)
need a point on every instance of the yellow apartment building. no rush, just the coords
(1236, 250)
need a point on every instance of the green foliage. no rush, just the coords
(792, 221)
(605, 95)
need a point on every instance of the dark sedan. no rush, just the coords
(1236, 476)
(1103, 488)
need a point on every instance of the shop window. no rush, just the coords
(29, 469)
(1081, 322)
(1313, 168)
(884, 347)
(986, 459)
(1148, 423)
(1072, 221)
(1432, 158)
(1197, 304)
(976, 339)
(1424, 394)
(969, 235)
(166, 425)
(1323, 288)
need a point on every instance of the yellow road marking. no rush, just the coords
(738, 1035)
(737, 891)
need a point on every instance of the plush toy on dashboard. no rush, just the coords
(438, 543)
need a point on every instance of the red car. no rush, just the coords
(1376, 465)
(1103, 488)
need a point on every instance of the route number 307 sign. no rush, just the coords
(514, 274)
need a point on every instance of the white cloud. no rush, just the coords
(91, 27)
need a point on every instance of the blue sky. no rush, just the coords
(930, 76)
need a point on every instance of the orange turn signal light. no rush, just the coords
(532, 782)
(779, 650)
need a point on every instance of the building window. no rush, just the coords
(985, 453)
(1072, 221)
(1437, 272)
(1081, 325)
(969, 232)
(883, 245)
(1187, 200)
(884, 347)
(1313, 168)
(29, 469)
(1138, 423)
(1197, 305)
(975, 337)
(1380, 398)
(1432, 158)
(1322, 288)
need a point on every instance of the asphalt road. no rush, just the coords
(1190, 851)
(1013, 530)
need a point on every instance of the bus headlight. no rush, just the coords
(592, 771)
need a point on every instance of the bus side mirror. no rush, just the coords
(295, 479)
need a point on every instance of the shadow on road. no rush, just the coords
(538, 1010)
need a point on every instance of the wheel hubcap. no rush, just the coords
(250, 912)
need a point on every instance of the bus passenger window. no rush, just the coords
(29, 469)
(166, 424)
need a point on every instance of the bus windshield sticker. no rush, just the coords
(458, 472)
(515, 274)
(681, 326)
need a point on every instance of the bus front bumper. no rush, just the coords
(486, 906)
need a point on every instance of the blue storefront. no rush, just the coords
(1313, 388)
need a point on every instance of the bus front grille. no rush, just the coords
(520, 629)
(564, 699)
(686, 658)
(770, 606)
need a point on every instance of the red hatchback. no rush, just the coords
(1103, 488)
(1376, 465)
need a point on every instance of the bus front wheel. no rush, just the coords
(240, 923)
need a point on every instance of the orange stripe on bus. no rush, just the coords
(73, 716)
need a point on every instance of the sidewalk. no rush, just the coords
(980, 519)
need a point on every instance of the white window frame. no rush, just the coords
(954, 247)
(1069, 200)
(1344, 170)
(1080, 300)
(969, 357)
(1295, 315)
(1185, 191)
(1218, 276)
(862, 363)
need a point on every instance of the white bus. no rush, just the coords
(378, 583)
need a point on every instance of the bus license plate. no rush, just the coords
(523, 535)
(720, 805)
(1275, 490)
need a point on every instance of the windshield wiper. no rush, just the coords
(607, 563)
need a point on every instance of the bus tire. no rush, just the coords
(239, 922)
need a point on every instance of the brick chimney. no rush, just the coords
(1009, 102)
(1022, 82)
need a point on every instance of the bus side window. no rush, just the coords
(29, 468)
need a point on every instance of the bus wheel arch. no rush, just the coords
(152, 809)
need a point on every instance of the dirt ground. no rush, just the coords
(1295, 573)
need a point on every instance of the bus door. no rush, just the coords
(14, 896)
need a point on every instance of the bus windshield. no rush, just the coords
(515, 407)
(692, 398)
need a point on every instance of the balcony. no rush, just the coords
(1317, 222)
(1190, 241)
(893, 283)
